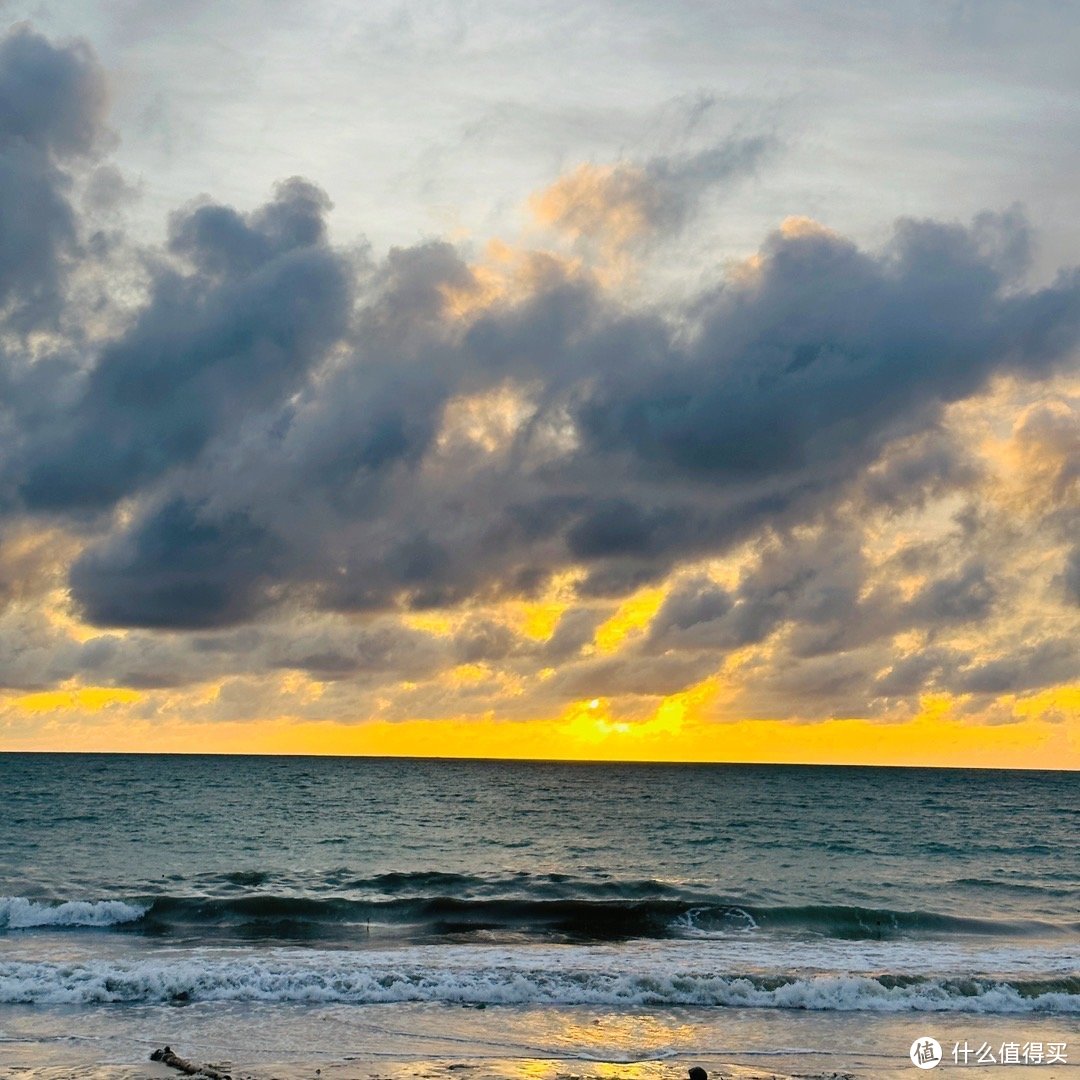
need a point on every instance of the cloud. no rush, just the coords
(52, 107)
(613, 206)
(919, 470)
(913, 674)
(1043, 453)
(828, 352)
(957, 598)
(262, 299)
(179, 571)
(1071, 576)
(32, 561)
(697, 602)
(682, 434)
(1026, 667)
(276, 452)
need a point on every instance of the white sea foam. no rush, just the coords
(735, 920)
(359, 978)
(20, 913)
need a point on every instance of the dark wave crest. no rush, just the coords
(247, 915)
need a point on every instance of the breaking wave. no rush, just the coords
(354, 978)
(20, 913)
(465, 906)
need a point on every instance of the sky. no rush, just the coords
(696, 381)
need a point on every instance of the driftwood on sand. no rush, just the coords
(167, 1057)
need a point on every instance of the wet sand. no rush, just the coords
(439, 1042)
(518, 1069)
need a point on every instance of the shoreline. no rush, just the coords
(397, 1042)
(350, 1068)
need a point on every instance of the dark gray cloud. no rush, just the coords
(759, 406)
(835, 686)
(697, 602)
(238, 332)
(956, 598)
(1025, 668)
(917, 672)
(830, 352)
(637, 674)
(180, 571)
(52, 104)
(1070, 578)
(53, 96)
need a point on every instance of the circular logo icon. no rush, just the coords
(925, 1053)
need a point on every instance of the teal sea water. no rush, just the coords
(133, 884)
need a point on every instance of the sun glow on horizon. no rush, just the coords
(677, 729)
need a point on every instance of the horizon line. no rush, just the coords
(540, 760)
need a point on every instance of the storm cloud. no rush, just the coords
(262, 301)
(684, 431)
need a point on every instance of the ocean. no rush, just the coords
(332, 909)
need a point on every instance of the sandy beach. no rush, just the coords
(434, 1042)
(427, 1070)
(538, 1069)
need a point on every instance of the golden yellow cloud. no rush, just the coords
(611, 205)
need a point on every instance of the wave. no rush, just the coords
(21, 913)
(259, 915)
(356, 979)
